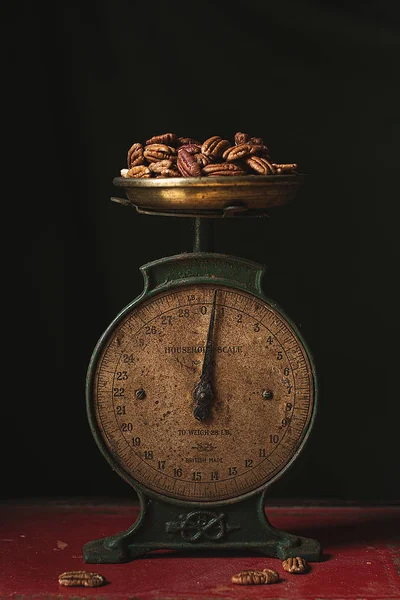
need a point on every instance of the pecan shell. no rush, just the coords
(187, 164)
(295, 565)
(214, 170)
(81, 578)
(157, 152)
(259, 164)
(215, 146)
(169, 139)
(139, 172)
(135, 155)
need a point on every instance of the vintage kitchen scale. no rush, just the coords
(202, 392)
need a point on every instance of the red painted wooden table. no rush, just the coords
(40, 540)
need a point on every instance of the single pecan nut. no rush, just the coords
(244, 138)
(215, 146)
(244, 150)
(139, 172)
(184, 141)
(237, 152)
(295, 565)
(241, 138)
(253, 577)
(170, 173)
(203, 160)
(157, 152)
(159, 166)
(217, 169)
(282, 168)
(135, 155)
(259, 165)
(187, 164)
(169, 139)
(272, 576)
(260, 150)
(191, 148)
(81, 578)
(250, 577)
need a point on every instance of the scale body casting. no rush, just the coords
(200, 394)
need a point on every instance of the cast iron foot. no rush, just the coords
(113, 549)
(289, 546)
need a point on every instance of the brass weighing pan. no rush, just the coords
(224, 196)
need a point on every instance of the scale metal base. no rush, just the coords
(240, 526)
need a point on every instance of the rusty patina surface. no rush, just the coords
(248, 437)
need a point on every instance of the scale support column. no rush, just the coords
(203, 235)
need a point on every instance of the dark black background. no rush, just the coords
(318, 82)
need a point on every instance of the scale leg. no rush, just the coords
(114, 549)
(120, 548)
(240, 526)
(288, 545)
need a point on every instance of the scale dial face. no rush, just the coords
(142, 394)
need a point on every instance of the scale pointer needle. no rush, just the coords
(203, 393)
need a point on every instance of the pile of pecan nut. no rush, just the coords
(168, 155)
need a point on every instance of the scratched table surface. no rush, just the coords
(40, 539)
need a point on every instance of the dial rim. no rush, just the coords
(108, 454)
